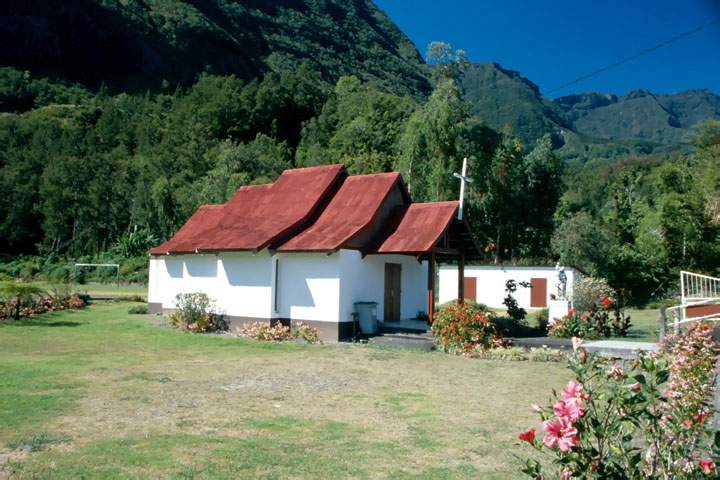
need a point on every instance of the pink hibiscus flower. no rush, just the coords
(570, 410)
(560, 433)
(573, 392)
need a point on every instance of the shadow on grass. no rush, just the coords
(42, 320)
(40, 323)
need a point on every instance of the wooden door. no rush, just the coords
(538, 292)
(392, 292)
(470, 287)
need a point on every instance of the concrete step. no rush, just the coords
(410, 341)
(619, 348)
(384, 327)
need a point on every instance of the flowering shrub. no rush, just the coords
(19, 300)
(686, 410)
(646, 418)
(589, 291)
(464, 327)
(306, 332)
(278, 332)
(265, 332)
(600, 320)
(194, 312)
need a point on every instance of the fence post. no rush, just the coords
(663, 322)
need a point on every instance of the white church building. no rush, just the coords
(308, 247)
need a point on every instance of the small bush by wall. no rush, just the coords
(195, 312)
(138, 310)
(264, 332)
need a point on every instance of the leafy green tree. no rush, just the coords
(236, 164)
(431, 145)
(542, 187)
(448, 63)
(581, 241)
(358, 126)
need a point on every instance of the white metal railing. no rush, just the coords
(678, 316)
(695, 287)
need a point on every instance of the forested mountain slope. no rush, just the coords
(587, 123)
(503, 97)
(135, 45)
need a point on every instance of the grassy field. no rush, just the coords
(645, 325)
(105, 290)
(102, 394)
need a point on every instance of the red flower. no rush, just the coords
(528, 436)
(606, 302)
(571, 312)
(707, 466)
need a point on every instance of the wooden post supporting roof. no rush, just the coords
(461, 276)
(431, 287)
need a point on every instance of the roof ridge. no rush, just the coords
(442, 202)
(381, 174)
(338, 166)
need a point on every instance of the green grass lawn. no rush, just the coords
(108, 290)
(102, 394)
(645, 325)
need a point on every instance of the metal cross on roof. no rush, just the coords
(463, 180)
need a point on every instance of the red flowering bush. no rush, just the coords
(464, 327)
(599, 320)
(645, 418)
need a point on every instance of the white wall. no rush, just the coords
(311, 286)
(308, 286)
(491, 282)
(363, 280)
(239, 282)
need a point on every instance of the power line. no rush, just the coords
(637, 55)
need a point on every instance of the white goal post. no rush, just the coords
(116, 266)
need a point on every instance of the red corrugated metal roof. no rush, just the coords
(419, 227)
(350, 211)
(186, 239)
(258, 215)
(334, 210)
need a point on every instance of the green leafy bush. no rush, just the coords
(542, 319)
(195, 312)
(138, 310)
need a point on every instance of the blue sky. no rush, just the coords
(554, 42)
